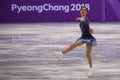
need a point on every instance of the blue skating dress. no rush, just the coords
(86, 36)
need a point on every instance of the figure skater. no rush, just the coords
(86, 38)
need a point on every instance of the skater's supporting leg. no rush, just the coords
(74, 45)
(88, 54)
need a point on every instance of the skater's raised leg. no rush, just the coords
(59, 55)
(71, 47)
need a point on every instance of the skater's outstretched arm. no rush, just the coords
(80, 19)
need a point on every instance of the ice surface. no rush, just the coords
(25, 52)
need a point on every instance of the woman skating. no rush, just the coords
(86, 38)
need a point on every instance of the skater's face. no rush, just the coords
(83, 11)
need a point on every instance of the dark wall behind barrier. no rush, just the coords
(22, 11)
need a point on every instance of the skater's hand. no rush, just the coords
(78, 18)
(92, 31)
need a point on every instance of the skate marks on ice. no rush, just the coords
(52, 69)
(25, 52)
(38, 40)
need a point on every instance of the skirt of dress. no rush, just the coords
(91, 41)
